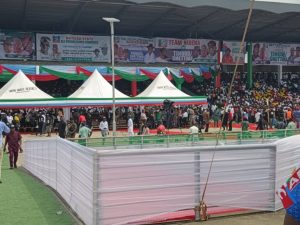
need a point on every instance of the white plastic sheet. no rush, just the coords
(67, 168)
(129, 186)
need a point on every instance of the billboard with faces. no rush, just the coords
(73, 48)
(17, 45)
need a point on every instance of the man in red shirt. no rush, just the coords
(14, 141)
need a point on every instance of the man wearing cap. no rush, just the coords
(5, 129)
(150, 56)
(14, 141)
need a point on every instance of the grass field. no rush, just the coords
(26, 201)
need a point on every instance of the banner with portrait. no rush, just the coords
(17, 45)
(73, 48)
(230, 53)
(276, 54)
(131, 49)
(186, 51)
(293, 57)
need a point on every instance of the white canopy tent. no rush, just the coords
(20, 87)
(163, 88)
(96, 87)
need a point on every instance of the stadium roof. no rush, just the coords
(213, 19)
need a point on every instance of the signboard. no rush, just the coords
(131, 49)
(276, 54)
(293, 54)
(17, 45)
(73, 48)
(186, 50)
(230, 53)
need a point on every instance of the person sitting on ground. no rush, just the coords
(194, 129)
(194, 132)
(146, 130)
(161, 129)
(291, 125)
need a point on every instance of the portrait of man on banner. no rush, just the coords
(149, 57)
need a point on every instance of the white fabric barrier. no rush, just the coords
(110, 187)
(135, 185)
(66, 167)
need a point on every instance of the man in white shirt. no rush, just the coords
(3, 128)
(104, 127)
(130, 126)
(150, 56)
(9, 118)
(257, 116)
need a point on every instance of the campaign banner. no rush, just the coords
(293, 57)
(276, 54)
(131, 49)
(73, 48)
(260, 54)
(17, 45)
(185, 51)
(230, 53)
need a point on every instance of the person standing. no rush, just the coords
(130, 126)
(104, 127)
(14, 142)
(84, 133)
(206, 119)
(72, 128)
(49, 124)
(3, 129)
(62, 128)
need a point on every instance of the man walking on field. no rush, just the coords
(14, 141)
(5, 129)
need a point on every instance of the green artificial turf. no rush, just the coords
(26, 201)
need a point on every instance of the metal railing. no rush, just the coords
(225, 137)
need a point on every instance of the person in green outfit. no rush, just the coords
(84, 133)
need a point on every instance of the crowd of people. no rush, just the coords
(268, 104)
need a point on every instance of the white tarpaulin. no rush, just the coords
(162, 87)
(130, 186)
(96, 87)
(20, 87)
